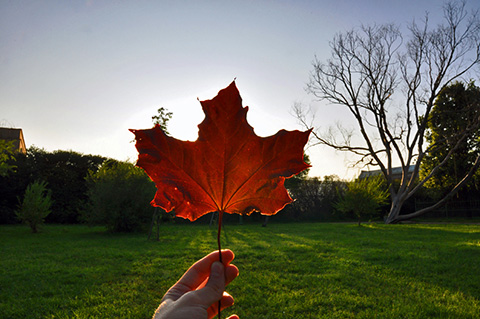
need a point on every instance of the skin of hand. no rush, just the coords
(196, 294)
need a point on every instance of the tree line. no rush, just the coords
(68, 187)
(101, 191)
(80, 189)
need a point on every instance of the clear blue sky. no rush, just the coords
(76, 75)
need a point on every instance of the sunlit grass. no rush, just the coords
(286, 270)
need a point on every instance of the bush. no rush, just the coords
(35, 205)
(363, 197)
(119, 196)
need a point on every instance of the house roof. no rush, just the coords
(14, 134)
(396, 172)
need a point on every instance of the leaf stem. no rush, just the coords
(220, 216)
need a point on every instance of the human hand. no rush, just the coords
(196, 294)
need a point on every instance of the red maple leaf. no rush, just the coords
(227, 169)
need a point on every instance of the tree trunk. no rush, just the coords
(392, 216)
(265, 222)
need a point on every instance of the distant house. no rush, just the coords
(16, 135)
(396, 173)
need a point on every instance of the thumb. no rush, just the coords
(215, 286)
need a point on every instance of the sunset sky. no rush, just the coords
(76, 75)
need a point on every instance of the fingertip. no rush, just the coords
(227, 256)
(226, 302)
(227, 299)
(231, 272)
(232, 269)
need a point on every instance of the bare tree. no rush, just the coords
(389, 84)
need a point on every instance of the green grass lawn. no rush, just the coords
(286, 270)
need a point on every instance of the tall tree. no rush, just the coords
(389, 86)
(456, 109)
(162, 119)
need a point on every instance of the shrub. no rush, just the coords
(119, 196)
(35, 205)
(363, 197)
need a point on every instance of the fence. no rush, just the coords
(452, 209)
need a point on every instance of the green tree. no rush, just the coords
(456, 108)
(35, 205)
(119, 194)
(7, 156)
(453, 156)
(363, 197)
(12, 185)
(162, 119)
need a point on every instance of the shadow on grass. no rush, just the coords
(286, 270)
(348, 270)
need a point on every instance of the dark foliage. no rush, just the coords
(313, 197)
(456, 109)
(119, 196)
(65, 173)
